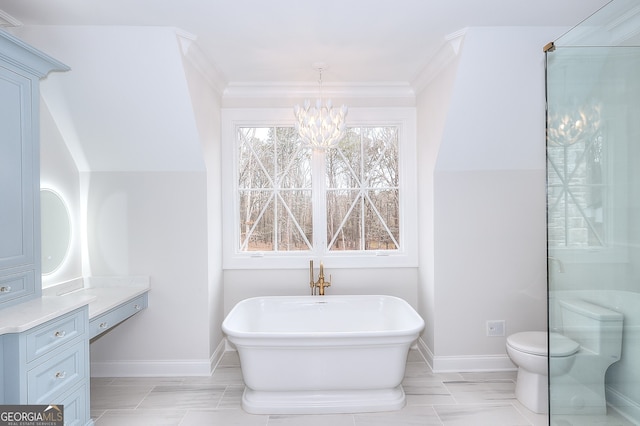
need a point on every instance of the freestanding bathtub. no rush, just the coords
(322, 354)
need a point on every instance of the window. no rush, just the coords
(351, 204)
(576, 178)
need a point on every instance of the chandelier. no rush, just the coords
(320, 126)
(575, 123)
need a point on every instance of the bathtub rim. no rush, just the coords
(234, 335)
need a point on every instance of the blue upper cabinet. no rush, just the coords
(21, 68)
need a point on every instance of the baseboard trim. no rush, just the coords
(154, 368)
(425, 352)
(622, 404)
(470, 363)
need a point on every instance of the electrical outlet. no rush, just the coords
(495, 328)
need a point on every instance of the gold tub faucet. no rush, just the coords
(321, 283)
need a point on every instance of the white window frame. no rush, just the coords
(405, 256)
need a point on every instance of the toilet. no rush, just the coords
(590, 342)
(529, 351)
(598, 330)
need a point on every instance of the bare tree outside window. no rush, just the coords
(275, 189)
(363, 191)
(274, 183)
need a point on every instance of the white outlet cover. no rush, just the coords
(495, 328)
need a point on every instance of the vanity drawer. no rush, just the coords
(15, 286)
(59, 374)
(75, 406)
(54, 334)
(109, 319)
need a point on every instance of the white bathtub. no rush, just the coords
(322, 354)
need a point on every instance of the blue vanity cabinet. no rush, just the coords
(49, 364)
(45, 360)
(115, 316)
(21, 68)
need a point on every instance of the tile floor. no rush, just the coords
(451, 399)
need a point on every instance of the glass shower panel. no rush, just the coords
(593, 218)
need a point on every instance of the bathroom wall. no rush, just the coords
(206, 111)
(134, 114)
(151, 189)
(432, 108)
(58, 171)
(241, 284)
(132, 219)
(489, 234)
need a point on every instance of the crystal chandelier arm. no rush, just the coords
(320, 127)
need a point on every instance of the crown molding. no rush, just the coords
(260, 93)
(625, 27)
(447, 53)
(8, 21)
(194, 55)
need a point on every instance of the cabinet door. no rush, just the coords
(17, 186)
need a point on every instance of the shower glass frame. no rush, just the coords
(593, 208)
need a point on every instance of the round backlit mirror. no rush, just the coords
(56, 230)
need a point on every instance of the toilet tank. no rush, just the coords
(596, 328)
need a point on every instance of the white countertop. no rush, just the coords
(106, 298)
(102, 294)
(22, 317)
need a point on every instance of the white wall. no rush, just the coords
(135, 119)
(153, 223)
(489, 238)
(432, 108)
(206, 110)
(242, 284)
(482, 238)
(59, 172)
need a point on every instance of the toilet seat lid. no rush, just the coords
(561, 345)
(535, 343)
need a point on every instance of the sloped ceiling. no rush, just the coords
(125, 104)
(277, 41)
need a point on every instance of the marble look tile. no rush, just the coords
(414, 356)
(105, 397)
(232, 397)
(534, 419)
(222, 418)
(102, 380)
(479, 392)
(415, 387)
(449, 399)
(228, 375)
(96, 413)
(420, 400)
(311, 420)
(151, 381)
(141, 418)
(409, 416)
(183, 397)
(489, 376)
(422, 372)
(480, 415)
(611, 419)
(229, 359)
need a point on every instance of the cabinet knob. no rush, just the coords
(5, 289)
(137, 307)
(60, 333)
(103, 325)
(61, 374)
